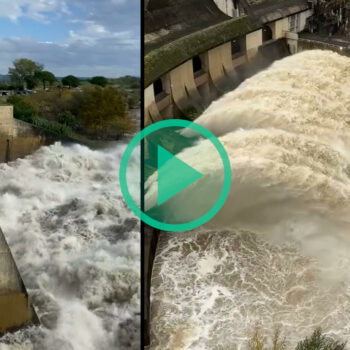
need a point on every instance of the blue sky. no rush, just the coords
(80, 37)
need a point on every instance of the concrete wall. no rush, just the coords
(17, 139)
(220, 64)
(279, 28)
(6, 120)
(253, 41)
(303, 17)
(183, 87)
(16, 310)
(221, 71)
(299, 20)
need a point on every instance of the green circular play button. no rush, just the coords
(184, 175)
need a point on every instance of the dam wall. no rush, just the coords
(16, 310)
(185, 70)
(313, 42)
(17, 138)
(7, 124)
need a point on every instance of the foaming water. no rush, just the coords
(76, 245)
(278, 252)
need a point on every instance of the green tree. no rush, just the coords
(71, 81)
(318, 341)
(23, 72)
(21, 109)
(128, 82)
(98, 80)
(103, 112)
(45, 77)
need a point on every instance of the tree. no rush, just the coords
(101, 81)
(23, 72)
(45, 77)
(103, 112)
(21, 109)
(71, 81)
(331, 16)
(318, 341)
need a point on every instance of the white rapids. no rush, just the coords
(278, 253)
(76, 246)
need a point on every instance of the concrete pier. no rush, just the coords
(16, 310)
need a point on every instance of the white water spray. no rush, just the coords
(76, 246)
(278, 252)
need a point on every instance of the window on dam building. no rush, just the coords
(158, 87)
(197, 65)
(238, 46)
(235, 47)
(266, 33)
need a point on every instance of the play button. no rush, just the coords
(175, 175)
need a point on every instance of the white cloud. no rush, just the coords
(37, 9)
(76, 58)
(104, 37)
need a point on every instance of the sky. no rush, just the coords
(80, 37)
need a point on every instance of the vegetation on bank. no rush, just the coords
(96, 108)
(316, 341)
(95, 112)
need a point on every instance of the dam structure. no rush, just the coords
(195, 52)
(199, 49)
(17, 139)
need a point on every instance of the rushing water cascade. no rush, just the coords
(278, 253)
(76, 245)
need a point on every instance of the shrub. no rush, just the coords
(68, 119)
(258, 341)
(103, 112)
(52, 126)
(21, 109)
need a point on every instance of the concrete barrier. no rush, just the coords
(17, 138)
(16, 310)
(7, 126)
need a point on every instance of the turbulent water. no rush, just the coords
(76, 246)
(278, 253)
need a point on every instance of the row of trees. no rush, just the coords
(27, 74)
